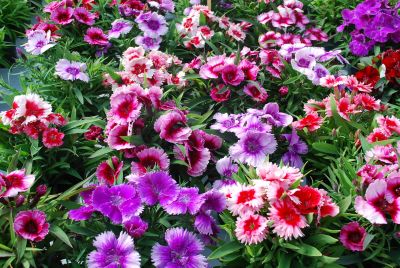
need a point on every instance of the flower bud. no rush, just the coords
(283, 91)
(41, 190)
(19, 200)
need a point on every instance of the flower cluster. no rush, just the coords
(273, 199)
(253, 129)
(196, 33)
(288, 15)
(31, 115)
(374, 21)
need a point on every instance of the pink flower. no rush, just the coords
(256, 92)
(249, 69)
(96, 36)
(377, 203)
(125, 107)
(52, 138)
(83, 16)
(385, 154)
(107, 173)
(390, 124)
(39, 41)
(31, 225)
(149, 158)
(31, 107)
(115, 140)
(213, 67)
(288, 222)
(62, 15)
(172, 127)
(220, 93)
(369, 173)
(378, 134)
(196, 159)
(15, 182)
(352, 236)
(236, 32)
(251, 229)
(245, 199)
(232, 75)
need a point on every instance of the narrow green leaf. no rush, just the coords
(60, 234)
(224, 250)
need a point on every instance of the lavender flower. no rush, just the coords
(119, 27)
(113, 252)
(188, 200)
(295, 149)
(148, 42)
(118, 203)
(253, 147)
(38, 42)
(182, 250)
(71, 70)
(274, 117)
(157, 187)
(152, 24)
(226, 168)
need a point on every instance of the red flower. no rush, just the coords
(31, 225)
(391, 60)
(368, 75)
(93, 133)
(312, 122)
(52, 138)
(309, 199)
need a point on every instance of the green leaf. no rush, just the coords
(20, 247)
(325, 147)
(345, 203)
(308, 250)
(59, 233)
(6, 254)
(224, 250)
(321, 240)
(79, 95)
(368, 240)
(101, 152)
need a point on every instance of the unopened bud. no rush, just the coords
(41, 190)
(19, 200)
(283, 91)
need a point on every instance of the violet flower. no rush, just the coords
(296, 148)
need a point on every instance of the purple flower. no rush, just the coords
(213, 201)
(253, 147)
(113, 252)
(205, 224)
(118, 203)
(135, 226)
(38, 42)
(152, 24)
(182, 251)
(157, 187)
(296, 147)
(226, 168)
(225, 122)
(319, 72)
(274, 117)
(251, 122)
(148, 42)
(119, 27)
(71, 70)
(188, 200)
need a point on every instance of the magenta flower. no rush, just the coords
(152, 24)
(96, 36)
(119, 203)
(108, 174)
(232, 75)
(62, 15)
(15, 182)
(157, 187)
(86, 211)
(188, 201)
(135, 226)
(172, 127)
(249, 69)
(71, 70)
(119, 27)
(205, 224)
(182, 250)
(352, 236)
(378, 203)
(256, 92)
(31, 225)
(148, 42)
(115, 140)
(83, 16)
(253, 147)
(274, 117)
(113, 252)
